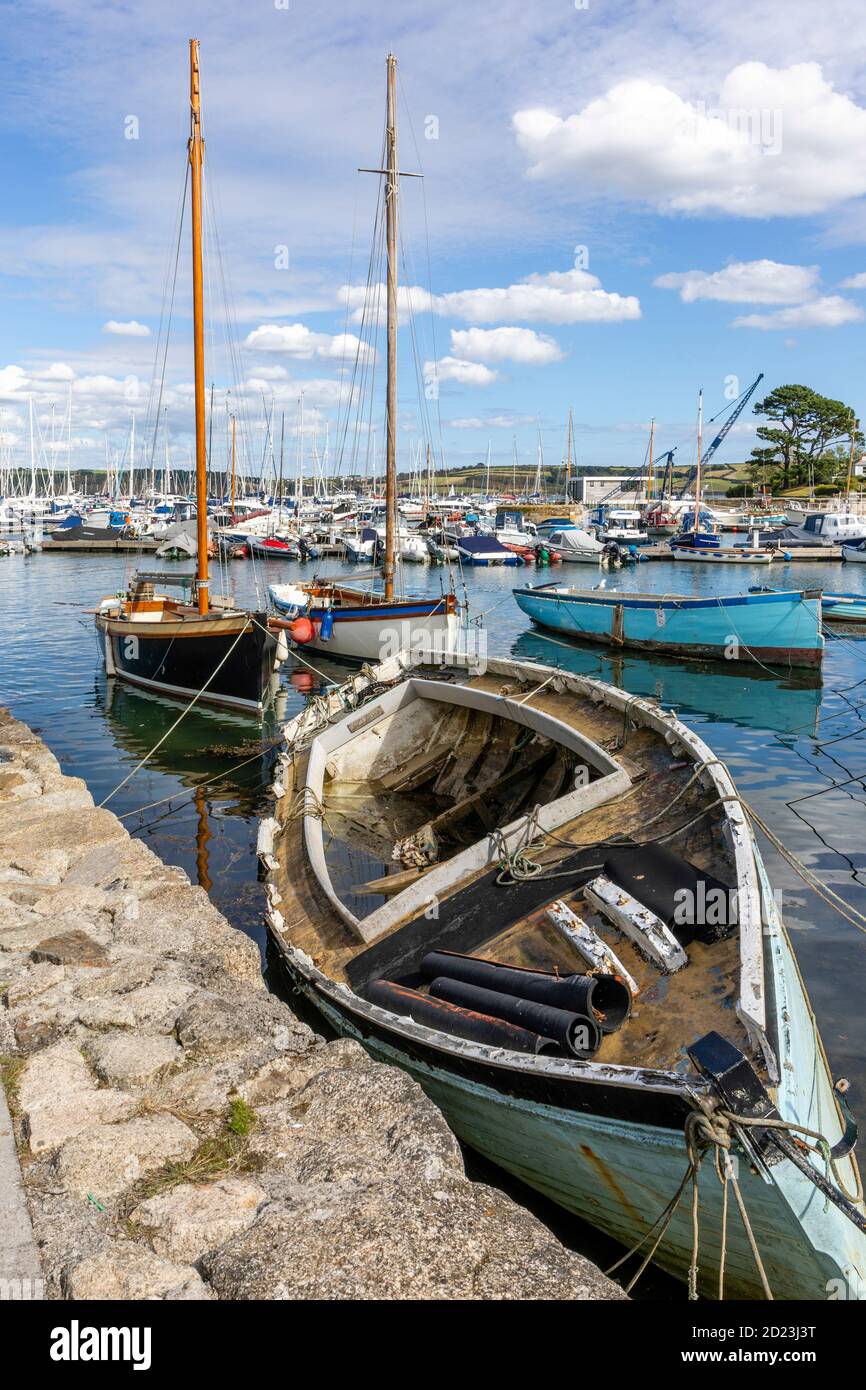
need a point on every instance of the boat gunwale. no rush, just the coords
(627, 599)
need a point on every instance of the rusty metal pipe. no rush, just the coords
(459, 1022)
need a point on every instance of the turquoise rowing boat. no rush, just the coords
(836, 608)
(773, 629)
(844, 608)
(542, 821)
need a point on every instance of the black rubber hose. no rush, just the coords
(577, 1033)
(603, 997)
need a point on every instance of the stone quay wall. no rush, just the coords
(176, 1132)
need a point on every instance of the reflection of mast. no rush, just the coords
(202, 838)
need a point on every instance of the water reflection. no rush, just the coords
(756, 699)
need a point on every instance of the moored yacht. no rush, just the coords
(197, 648)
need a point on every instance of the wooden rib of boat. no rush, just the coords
(772, 628)
(447, 776)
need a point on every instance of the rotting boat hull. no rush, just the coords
(607, 1141)
(616, 1156)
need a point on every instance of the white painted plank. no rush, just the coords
(648, 932)
(587, 943)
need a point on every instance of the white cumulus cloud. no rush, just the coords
(831, 311)
(455, 369)
(745, 282)
(522, 345)
(854, 282)
(131, 329)
(296, 340)
(369, 304)
(776, 142)
(568, 296)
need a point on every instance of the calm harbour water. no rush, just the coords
(784, 738)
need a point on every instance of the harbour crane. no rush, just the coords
(724, 430)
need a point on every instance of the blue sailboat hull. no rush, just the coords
(782, 629)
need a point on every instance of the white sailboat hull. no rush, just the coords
(375, 638)
(726, 557)
(356, 629)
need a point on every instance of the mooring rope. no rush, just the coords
(700, 1135)
(179, 719)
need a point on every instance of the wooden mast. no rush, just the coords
(196, 155)
(568, 460)
(391, 391)
(650, 480)
(854, 425)
(234, 442)
(700, 445)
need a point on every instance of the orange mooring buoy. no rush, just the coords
(301, 631)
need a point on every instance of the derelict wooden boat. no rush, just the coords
(457, 795)
(771, 627)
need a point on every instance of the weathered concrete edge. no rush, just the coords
(20, 1266)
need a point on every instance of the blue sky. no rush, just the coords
(655, 198)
